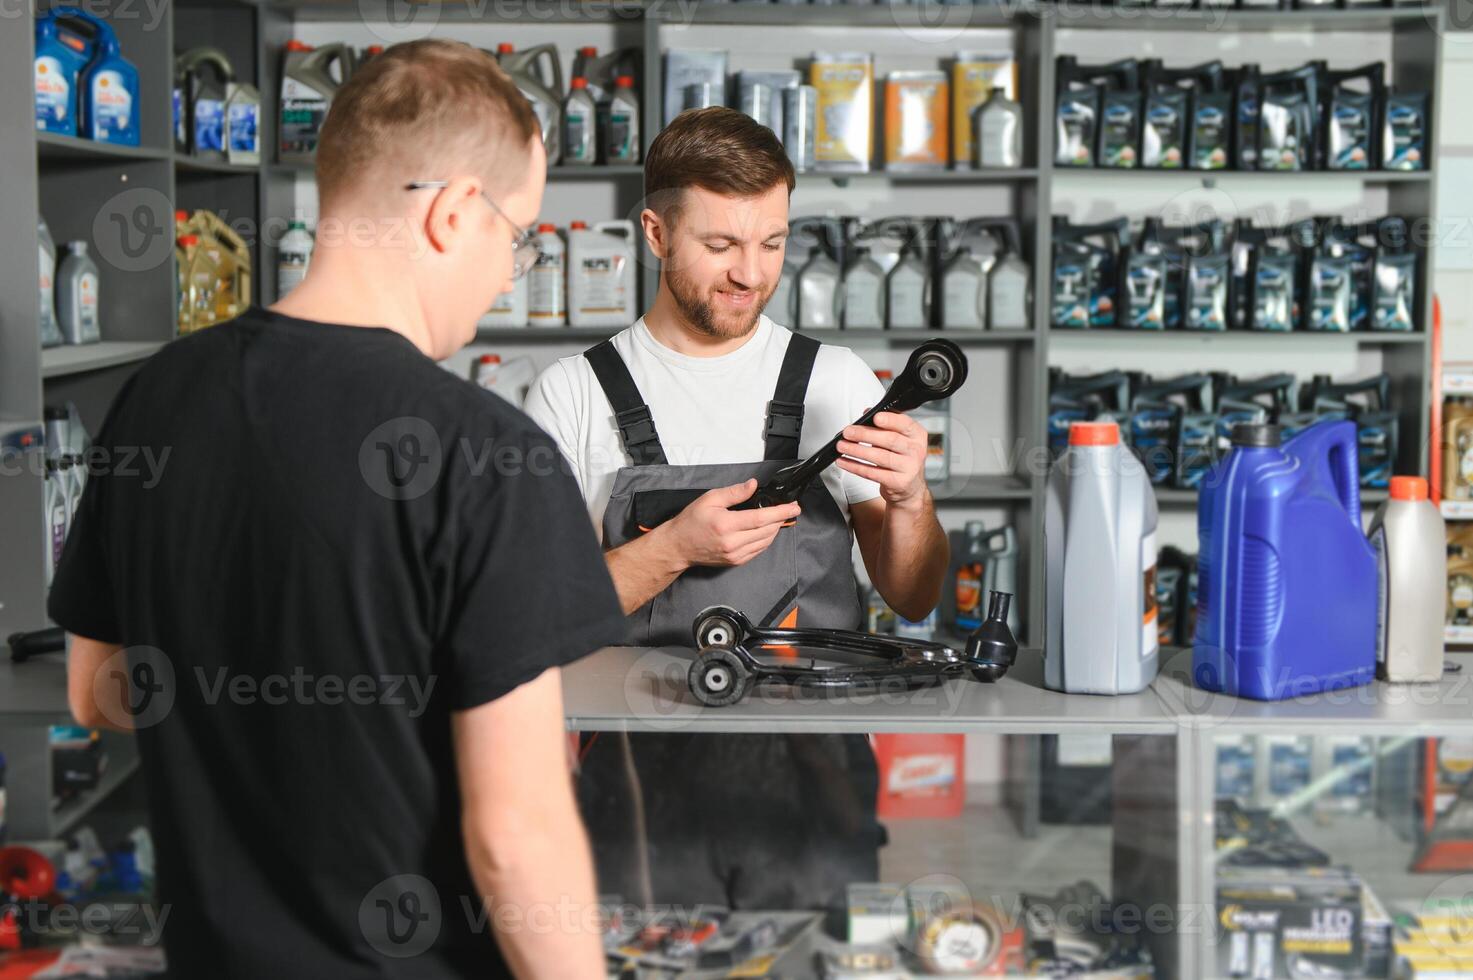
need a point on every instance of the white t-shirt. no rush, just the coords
(707, 410)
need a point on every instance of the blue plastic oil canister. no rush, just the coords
(1286, 580)
(60, 59)
(109, 86)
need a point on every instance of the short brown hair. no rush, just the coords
(716, 149)
(420, 106)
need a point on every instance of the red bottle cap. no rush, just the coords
(589, 50)
(295, 45)
(1094, 434)
(582, 225)
(1412, 488)
(884, 374)
(580, 82)
(624, 81)
(490, 358)
(506, 47)
(546, 226)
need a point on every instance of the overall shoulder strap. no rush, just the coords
(636, 426)
(785, 411)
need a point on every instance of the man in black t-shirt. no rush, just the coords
(334, 612)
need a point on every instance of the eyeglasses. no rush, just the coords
(525, 248)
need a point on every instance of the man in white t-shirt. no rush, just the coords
(669, 425)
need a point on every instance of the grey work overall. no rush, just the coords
(747, 821)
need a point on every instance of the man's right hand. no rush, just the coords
(708, 532)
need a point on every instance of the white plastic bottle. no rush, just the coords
(77, 299)
(580, 126)
(999, 131)
(935, 418)
(511, 379)
(864, 293)
(964, 293)
(908, 292)
(50, 333)
(782, 305)
(819, 293)
(1410, 539)
(56, 516)
(1007, 293)
(293, 256)
(1100, 546)
(601, 275)
(510, 309)
(547, 304)
(621, 137)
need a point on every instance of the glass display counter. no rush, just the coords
(1005, 829)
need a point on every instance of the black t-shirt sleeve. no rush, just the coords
(531, 589)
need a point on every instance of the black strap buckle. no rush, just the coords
(784, 419)
(636, 426)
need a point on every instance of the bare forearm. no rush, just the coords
(98, 701)
(913, 556)
(540, 900)
(642, 568)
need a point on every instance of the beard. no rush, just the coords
(700, 314)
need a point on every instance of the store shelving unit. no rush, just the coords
(1035, 33)
(87, 189)
(1268, 343)
(1456, 381)
(61, 361)
(54, 147)
(1174, 496)
(122, 762)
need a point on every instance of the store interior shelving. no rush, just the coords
(123, 761)
(59, 361)
(77, 181)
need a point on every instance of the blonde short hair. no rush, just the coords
(417, 109)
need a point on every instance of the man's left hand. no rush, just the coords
(895, 457)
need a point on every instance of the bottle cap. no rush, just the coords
(490, 358)
(579, 225)
(546, 226)
(580, 82)
(885, 374)
(506, 47)
(1094, 434)
(295, 45)
(1256, 435)
(1412, 488)
(588, 50)
(624, 81)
